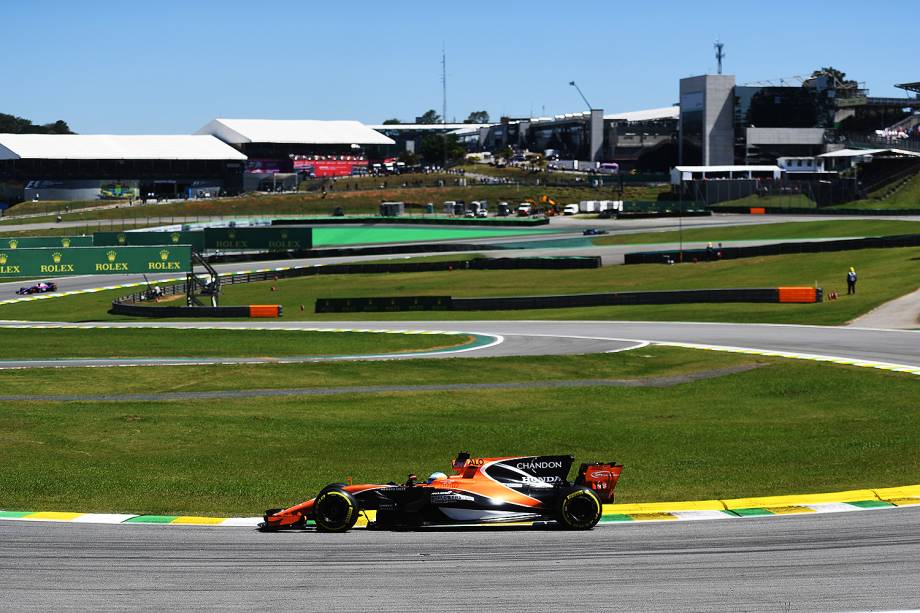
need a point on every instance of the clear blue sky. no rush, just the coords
(164, 66)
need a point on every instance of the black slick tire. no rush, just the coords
(335, 510)
(578, 508)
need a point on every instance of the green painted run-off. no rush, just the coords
(151, 519)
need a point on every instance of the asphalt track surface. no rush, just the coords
(866, 560)
(580, 337)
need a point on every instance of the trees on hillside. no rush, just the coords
(839, 77)
(430, 116)
(438, 148)
(477, 117)
(11, 124)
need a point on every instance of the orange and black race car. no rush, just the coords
(482, 490)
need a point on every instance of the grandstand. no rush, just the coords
(280, 149)
(90, 167)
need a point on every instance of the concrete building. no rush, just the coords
(706, 125)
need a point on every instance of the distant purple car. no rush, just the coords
(41, 287)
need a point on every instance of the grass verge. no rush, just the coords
(649, 362)
(788, 427)
(884, 274)
(51, 343)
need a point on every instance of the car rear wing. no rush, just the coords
(601, 477)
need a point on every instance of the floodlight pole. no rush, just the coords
(572, 83)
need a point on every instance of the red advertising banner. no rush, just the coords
(330, 168)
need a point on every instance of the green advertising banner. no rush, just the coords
(23, 242)
(193, 238)
(94, 261)
(268, 238)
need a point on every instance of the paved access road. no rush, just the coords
(834, 562)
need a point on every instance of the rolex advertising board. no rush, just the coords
(193, 238)
(51, 262)
(268, 238)
(23, 242)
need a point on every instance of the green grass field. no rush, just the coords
(907, 197)
(784, 428)
(652, 361)
(768, 231)
(800, 201)
(65, 343)
(885, 274)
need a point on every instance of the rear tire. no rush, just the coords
(578, 509)
(335, 510)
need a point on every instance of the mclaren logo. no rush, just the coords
(111, 265)
(58, 266)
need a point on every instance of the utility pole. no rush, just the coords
(443, 84)
(718, 45)
(444, 101)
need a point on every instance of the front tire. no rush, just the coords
(335, 510)
(578, 509)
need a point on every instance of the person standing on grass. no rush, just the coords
(851, 281)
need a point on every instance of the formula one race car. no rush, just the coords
(39, 288)
(482, 490)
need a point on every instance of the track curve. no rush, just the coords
(893, 347)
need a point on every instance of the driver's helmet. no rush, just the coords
(435, 476)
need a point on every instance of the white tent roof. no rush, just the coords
(114, 147)
(728, 168)
(668, 112)
(851, 153)
(294, 131)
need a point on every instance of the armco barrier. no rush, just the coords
(137, 310)
(776, 210)
(731, 253)
(383, 304)
(447, 303)
(349, 251)
(799, 294)
(272, 311)
(428, 221)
